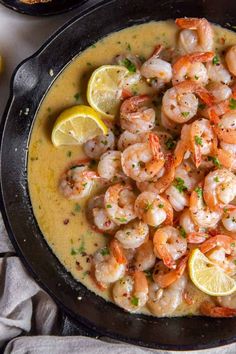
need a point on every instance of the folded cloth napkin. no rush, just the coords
(25, 308)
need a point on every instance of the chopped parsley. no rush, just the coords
(148, 206)
(183, 233)
(128, 46)
(121, 219)
(185, 114)
(77, 96)
(232, 244)
(196, 77)
(232, 103)
(216, 179)
(160, 206)
(198, 140)
(81, 249)
(201, 106)
(170, 144)
(73, 251)
(105, 251)
(215, 160)
(77, 208)
(234, 261)
(129, 65)
(134, 301)
(179, 185)
(108, 206)
(104, 142)
(216, 60)
(69, 153)
(198, 190)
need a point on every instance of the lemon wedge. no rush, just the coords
(104, 88)
(209, 277)
(76, 125)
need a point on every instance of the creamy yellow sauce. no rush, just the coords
(63, 222)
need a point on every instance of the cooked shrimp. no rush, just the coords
(230, 59)
(193, 232)
(202, 40)
(135, 117)
(209, 309)
(169, 124)
(153, 209)
(134, 76)
(131, 292)
(227, 155)
(225, 127)
(229, 220)
(186, 179)
(160, 183)
(180, 103)
(220, 256)
(109, 264)
(109, 166)
(145, 258)
(191, 67)
(202, 139)
(218, 73)
(163, 302)
(126, 139)
(142, 161)
(169, 245)
(201, 214)
(98, 216)
(133, 234)
(156, 68)
(164, 277)
(77, 182)
(228, 301)
(97, 146)
(219, 91)
(119, 203)
(227, 242)
(219, 188)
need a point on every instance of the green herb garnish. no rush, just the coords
(105, 251)
(183, 233)
(185, 114)
(170, 144)
(198, 190)
(216, 60)
(179, 184)
(134, 301)
(129, 65)
(232, 103)
(215, 160)
(198, 140)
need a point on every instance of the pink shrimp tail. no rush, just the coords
(155, 146)
(196, 237)
(209, 309)
(218, 241)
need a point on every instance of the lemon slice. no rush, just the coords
(76, 125)
(209, 277)
(104, 89)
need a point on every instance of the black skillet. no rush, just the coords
(53, 7)
(28, 87)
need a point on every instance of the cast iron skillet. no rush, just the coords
(44, 9)
(29, 85)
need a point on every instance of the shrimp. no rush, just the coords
(186, 179)
(77, 182)
(230, 59)
(135, 117)
(202, 139)
(224, 241)
(180, 103)
(202, 40)
(219, 188)
(225, 127)
(126, 139)
(169, 124)
(169, 245)
(218, 73)
(219, 255)
(109, 166)
(228, 301)
(209, 309)
(229, 220)
(227, 155)
(191, 67)
(160, 183)
(109, 264)
(193, 232)
(163, 302)
(133, 234)
(97, 146)
(134, 74)
(142, 161)
(131, 292)
(153, 209)
(97, 215)
(145, 258)
(219, 91)
(165, 277)
(119, 203)
(201, 214)
(156, 68)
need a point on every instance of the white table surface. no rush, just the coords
(20, 36)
